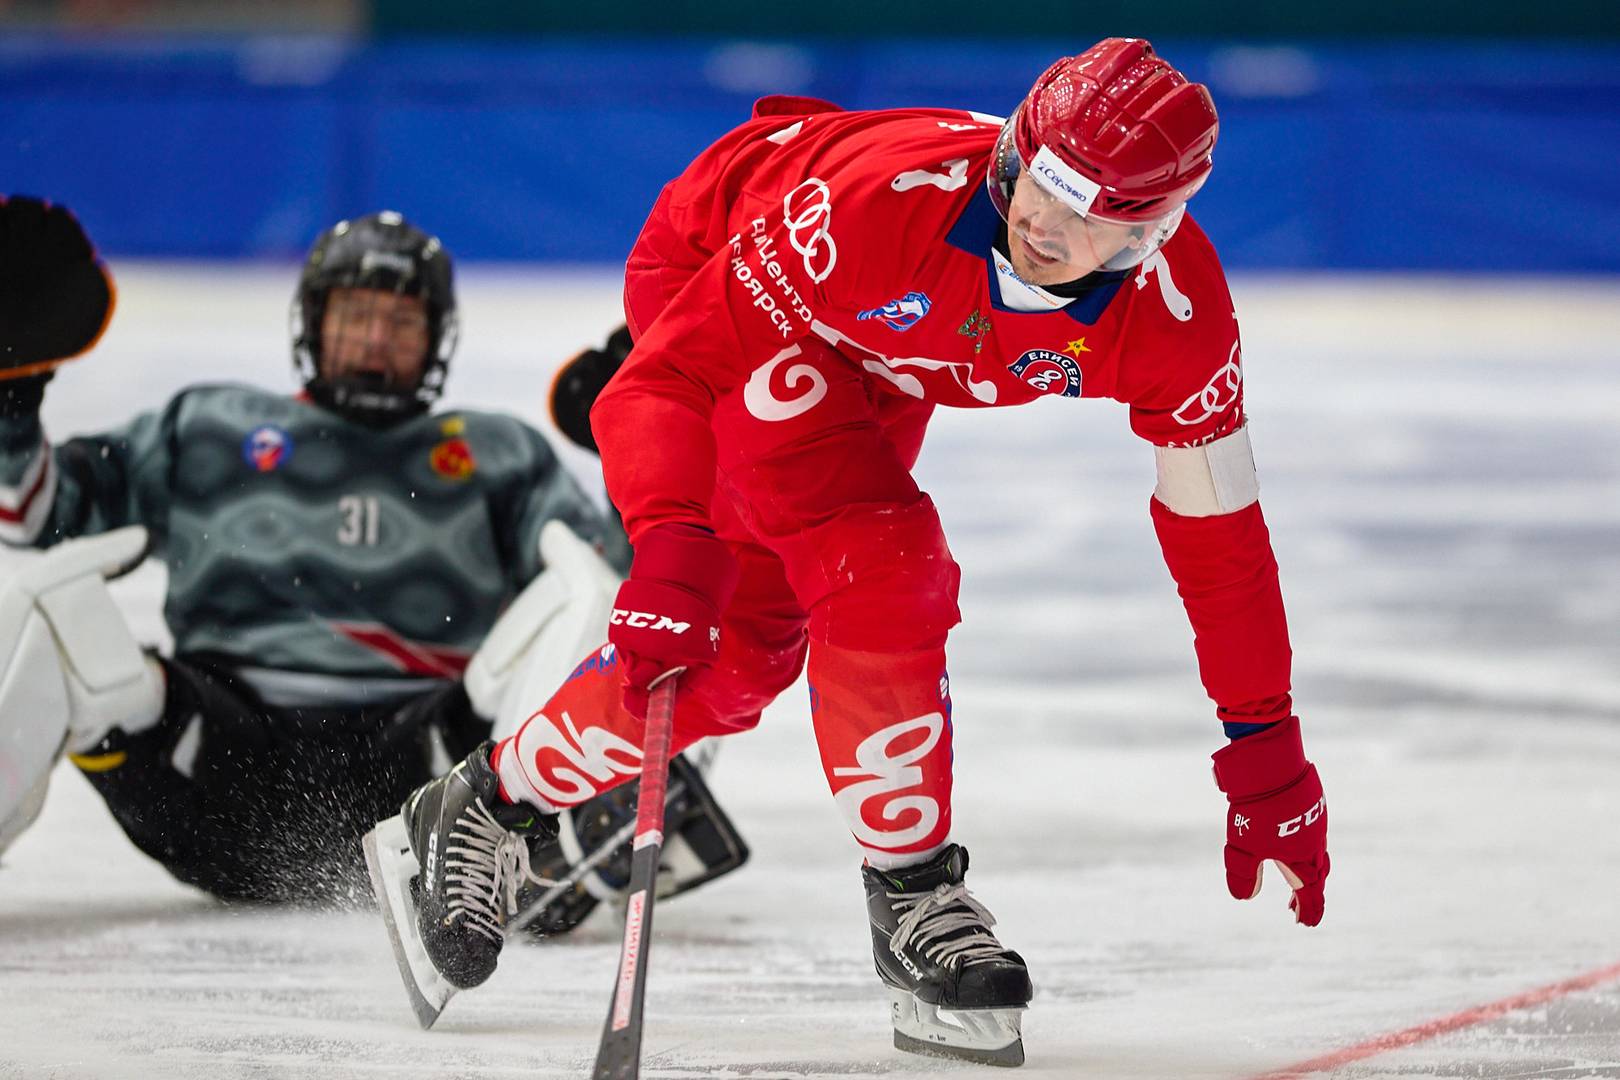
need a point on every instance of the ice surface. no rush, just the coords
(1441, 471)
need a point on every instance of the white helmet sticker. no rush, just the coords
(1078, 191)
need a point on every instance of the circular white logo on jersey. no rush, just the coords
(765, 405)
(1049, 372)
(807, 213)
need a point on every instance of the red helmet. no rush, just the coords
(1136, 132)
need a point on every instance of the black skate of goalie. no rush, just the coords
(570, 875)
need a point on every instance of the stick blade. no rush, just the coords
(618, 1057)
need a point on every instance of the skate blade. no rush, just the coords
(392, 866)
(984, 1036)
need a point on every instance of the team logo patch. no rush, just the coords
(267, 448)
(453, 459)
(902, 314)
(1049, 372)
(975, 327)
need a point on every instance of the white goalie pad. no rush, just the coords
(546, 632)
(1204, 481)
(69, 667)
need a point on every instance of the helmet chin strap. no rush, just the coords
(367, 400)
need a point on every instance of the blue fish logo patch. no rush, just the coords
(902, 314)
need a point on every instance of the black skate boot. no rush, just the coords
(446, 873)
(936, 953)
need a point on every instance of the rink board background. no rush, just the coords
(1425, 155)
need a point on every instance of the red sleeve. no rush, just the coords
(1227, 578)
(1186, 389)
(754, 298)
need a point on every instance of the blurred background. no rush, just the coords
(1421, 207)
(1446, 136)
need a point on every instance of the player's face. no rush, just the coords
(375, 334)
(1049, 243)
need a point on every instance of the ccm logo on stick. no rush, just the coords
(1309, 817)
(647, 620)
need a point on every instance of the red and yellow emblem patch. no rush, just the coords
(453, 459)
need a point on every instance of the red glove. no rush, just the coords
(667, 615)
(1278, 812)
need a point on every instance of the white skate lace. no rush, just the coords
(947, 910)
(484, 860)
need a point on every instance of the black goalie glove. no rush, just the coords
(55, 295)
(580, 380)
(590, 858)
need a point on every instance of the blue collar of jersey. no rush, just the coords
(975, 233)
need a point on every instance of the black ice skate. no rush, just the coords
(955, 991)
(446, 873)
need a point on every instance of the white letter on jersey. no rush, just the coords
(889, 775)
(785, 134)
(764, 405)
(564, 765)
(945, 181)
(1177, 302)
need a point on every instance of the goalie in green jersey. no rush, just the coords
(361, 586)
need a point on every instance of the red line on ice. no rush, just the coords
(1423, 1032)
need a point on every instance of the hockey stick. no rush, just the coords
(701, 756)
(618, 1055)
(603, 852)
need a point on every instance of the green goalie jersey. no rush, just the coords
(303, 545)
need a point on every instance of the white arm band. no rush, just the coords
(1203, 481)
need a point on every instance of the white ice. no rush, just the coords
(1441, 470)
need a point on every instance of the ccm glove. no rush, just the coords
(55, 296)
(1277, 811)
(667, 615)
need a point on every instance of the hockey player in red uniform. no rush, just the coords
(801, 298)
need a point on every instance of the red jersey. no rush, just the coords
(873, 231)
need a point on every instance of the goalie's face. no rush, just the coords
(374, 334)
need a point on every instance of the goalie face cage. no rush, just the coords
(383, 252)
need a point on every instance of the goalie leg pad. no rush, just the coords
(70, 670)
(592, 851)
(33, 719)
(561, 616)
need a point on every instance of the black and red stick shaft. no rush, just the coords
(618, 1057)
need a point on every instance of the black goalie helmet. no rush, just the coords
(378, 251)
